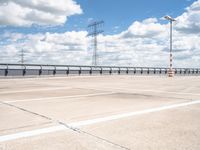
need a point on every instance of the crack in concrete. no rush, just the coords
(67, 126)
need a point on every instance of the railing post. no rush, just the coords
(134, 71)
(24, 71)
(40, 71)
(119, 70)
(148, 71)
(110, 71)
(175, 71)
(90, 70)
(67, 72)
(6, 70)
(54, 71)
(79, 72)
(101, 71)
(127, 70)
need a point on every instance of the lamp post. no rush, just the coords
(171, 20)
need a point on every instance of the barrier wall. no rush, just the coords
(40, 70)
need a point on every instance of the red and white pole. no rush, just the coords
(171, 71)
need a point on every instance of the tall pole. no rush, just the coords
(94, 33)
(95, 47)
(171, 58)
(171, 71)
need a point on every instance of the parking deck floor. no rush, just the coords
(100, 112)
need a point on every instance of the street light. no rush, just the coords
(171, 20)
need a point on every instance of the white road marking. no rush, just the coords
(130, 114)
(32, 90)
(50, 77)
(143, 90)
(160, 91)
(36, 132)
(59, 97)
(122, 90)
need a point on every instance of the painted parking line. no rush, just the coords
(143, 90)
(31, 133)
(33, 78)
(160, 91)
(59, 97)
(38, 89)
(37, 132)
(130, 114)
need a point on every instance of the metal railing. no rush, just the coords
(39, 70)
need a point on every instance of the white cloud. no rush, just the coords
(40, 12)
(189, 22)
(51, 48)
(144, 43)
(147, 28)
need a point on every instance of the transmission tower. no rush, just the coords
(22, 56)
(94, 31)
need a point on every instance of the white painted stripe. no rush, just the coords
(120, 116)
(31, 133)
(32, 90)
(92, 121)
(59, 97)
(47, 77)
(143, 90)
(178, 93)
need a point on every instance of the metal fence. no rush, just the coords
(40, 70)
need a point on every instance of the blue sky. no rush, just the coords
(122, 13)
(135, 35)
(118, 15)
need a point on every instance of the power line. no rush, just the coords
(94, 33)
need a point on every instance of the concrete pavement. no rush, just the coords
(100, 112)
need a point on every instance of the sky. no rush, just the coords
(135, 33)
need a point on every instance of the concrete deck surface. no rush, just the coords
(100, 112)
